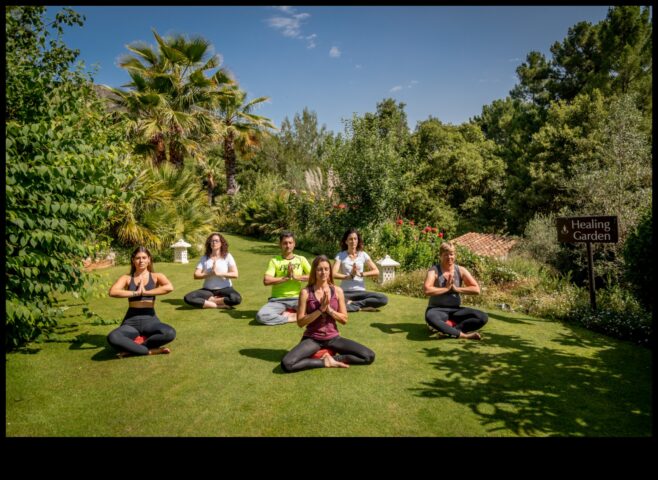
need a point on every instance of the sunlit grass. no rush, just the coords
(529, 377)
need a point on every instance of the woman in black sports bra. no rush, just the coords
(444, 283)
(141, 332)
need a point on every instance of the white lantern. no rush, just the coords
(180, 251)
(387, 268)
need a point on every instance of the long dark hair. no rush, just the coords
(149, 267)
(223, 250)
(314, 267)
(343, 242)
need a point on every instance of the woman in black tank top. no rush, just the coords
(444, 283)
(141, 332)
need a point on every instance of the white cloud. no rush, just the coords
(396, 88)
(286, 9)
(334, 52)
(291, 25)
(358, 66)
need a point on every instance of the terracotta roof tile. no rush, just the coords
(487, 244)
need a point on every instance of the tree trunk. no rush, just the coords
(175, 154)
(160, 152)
(211, 186)
(229, 161)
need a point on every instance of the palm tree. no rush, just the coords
(211, 167)
(243, 130)
(170, 96)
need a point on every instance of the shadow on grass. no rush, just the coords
(108, 353)
(267, 354)
(414, 331)
(258, 324)
(242, 314)
(534, 390)
(25, 351)
(86, 341)
(180, 302)
(512, 320)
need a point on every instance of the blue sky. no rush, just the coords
(443, 61)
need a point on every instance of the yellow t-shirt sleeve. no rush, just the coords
(306, 267)
(271, 268)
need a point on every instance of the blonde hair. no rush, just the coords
(446, 247)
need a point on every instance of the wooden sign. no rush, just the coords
(587, 229)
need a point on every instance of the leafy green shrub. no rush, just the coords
(618, 314)
(540, 239)
(369, 171)
(413, 247)
(65, 163)
(320, 222)
(638, 256)
(262, 210)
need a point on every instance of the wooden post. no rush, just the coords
(590, 268)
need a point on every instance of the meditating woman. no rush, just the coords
(141, 332)
(444, 283)
(321, 304)
(217, 267)
(352, 265)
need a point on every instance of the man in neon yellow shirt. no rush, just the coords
(285, 273)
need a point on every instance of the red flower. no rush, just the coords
(427, 229)
(411, 222)
(434, 229)
(399, 221)
(341, 205)
(440, 235)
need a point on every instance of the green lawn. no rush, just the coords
(528, 377)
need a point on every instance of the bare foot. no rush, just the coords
(123, 354)
(292, 316)
(158, 351)
(331, 362)
(218, 301)
(471, 336)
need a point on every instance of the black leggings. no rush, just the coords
(348, 351)
(362, 298)
(198, 297)
(467, 319)
(144, 322)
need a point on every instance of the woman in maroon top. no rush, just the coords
(321, 304)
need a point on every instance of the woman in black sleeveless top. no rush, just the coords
(444, 283)
(141, 332)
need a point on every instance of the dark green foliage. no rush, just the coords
(369, 172)
(62, 167)
(638, 256)
(457, 175)
(613, 56)
(37, 59)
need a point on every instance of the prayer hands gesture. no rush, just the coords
(216, 268)
(324, 304)
(450, 283)
(291, 271)
(139, 288)
(355, 271)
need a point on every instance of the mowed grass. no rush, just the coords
(528, 377)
